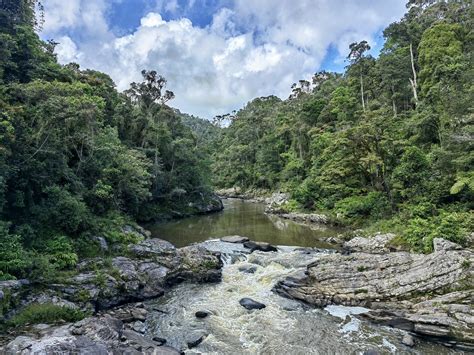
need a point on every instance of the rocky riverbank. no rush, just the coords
(430, 296)
(146, 271)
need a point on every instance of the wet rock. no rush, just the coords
(250, 304)
(235, 239)
(260, 246)
(399, 287)
(159, 341)
(202, 314)
(371, 352)
(139, 327)
(408, 340)
(248, 269)
(193, 342)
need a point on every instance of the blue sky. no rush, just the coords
(216, 54)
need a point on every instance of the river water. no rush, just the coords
(284, 326)
(245, 219)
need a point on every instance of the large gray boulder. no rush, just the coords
(94, 335)
(428, 294)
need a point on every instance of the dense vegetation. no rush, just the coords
(388, 142)
(79, 160)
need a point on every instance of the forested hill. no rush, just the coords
(388, 142)
(78, 159)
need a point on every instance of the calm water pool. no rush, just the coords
(246, 219)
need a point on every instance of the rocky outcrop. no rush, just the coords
(149, 268)
(207, 203)
(95, 335)
(306, 217)
(248, 195)
(378, 244)
(430, 295)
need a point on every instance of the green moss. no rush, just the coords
(362, 268)
(45, 313)
(466, 264)
(362, 290)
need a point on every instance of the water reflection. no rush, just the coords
(246, 219)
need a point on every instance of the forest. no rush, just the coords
(385, 146)
(78, 159)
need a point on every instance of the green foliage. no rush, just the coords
(45, 313)
(387, 145)
(419, 232)
(78, 160)
(14, 260)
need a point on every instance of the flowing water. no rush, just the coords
(283, 327)
(246, 219)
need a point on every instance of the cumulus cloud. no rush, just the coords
(249, 49)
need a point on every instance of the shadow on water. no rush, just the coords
(246, 219)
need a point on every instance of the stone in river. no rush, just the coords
(234, 239)
(250, 304)
(201, 314)
(260, 246)
(408, 340)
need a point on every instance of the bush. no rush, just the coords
(374, 205)
(61, 252)
(453, 226)
(45, 313)
(14, 260)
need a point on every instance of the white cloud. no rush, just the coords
(252, 48)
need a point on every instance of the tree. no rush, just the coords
(150, 91)
(356, 55)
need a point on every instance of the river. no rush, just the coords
(284, 326)
(246, 219)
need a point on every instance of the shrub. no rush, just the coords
(374, 205)
(45, 313)
(14, 260)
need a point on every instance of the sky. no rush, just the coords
(216, 54)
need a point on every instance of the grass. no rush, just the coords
(45, 313)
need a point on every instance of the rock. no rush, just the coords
(371, 352)
(139, 327)
(440, 245)
(41, 327)
(160, 341)
(235, 239)
(374, 245)
(260, 246)
(139, 314)
(401, 288)
(250, 304)
(276, 202)
(195, 341)
(248, 269)
(104, 246)
(202, 314)
(152, 248)
(306, 217)
(408, 340)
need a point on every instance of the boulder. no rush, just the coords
(234, 239)
(195, 341)
(375, 245)
(260, 246)
(408, 340)
(94, 335)
(201, 314)
(250, 304)
(248, 269)
(427, 294)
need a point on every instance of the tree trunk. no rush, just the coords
(413, 81)
(362, 92)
